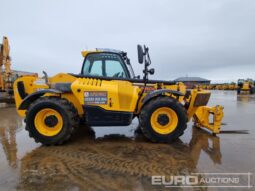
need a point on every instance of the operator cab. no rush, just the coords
(107, 63)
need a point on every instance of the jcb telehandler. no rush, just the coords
(107, 93)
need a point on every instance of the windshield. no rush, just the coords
(241, 81)
(131, 71)
(129, 67)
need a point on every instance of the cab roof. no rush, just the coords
(98, 50)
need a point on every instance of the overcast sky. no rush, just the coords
(211, 39)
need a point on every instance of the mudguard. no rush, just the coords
(32, 97)
(155, 93)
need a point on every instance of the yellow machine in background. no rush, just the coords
(5, 61)
(223, 86)
(232, 86)
(107, 93)
(246, 86)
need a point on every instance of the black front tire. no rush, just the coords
(67, 111)
(147, 111)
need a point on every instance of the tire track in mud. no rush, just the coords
(99, 158)
(103, 165)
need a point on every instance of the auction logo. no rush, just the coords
(216, 180)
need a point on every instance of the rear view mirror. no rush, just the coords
(140, 53)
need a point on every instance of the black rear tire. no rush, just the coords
(67, 111)
(153, 105)
(252, 90)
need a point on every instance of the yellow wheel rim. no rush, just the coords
(43, 127)
(164, 120)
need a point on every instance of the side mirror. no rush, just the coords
(140, 53)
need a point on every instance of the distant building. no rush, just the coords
(19, 73)
(190, 82)
(22, 73)
(15, 74)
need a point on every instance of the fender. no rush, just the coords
(34, 96)
(155, 93)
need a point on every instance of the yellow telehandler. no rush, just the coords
(246, 86)
(107, 93)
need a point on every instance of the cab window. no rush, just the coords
(105, 65)
(113, 68)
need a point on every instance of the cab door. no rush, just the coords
(107, 99)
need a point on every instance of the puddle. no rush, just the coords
(117, 158)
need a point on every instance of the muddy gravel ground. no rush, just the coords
(116, 158)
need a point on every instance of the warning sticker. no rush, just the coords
(95, 97)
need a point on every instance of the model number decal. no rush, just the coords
(95, 97)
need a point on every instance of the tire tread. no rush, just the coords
(69, 109)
